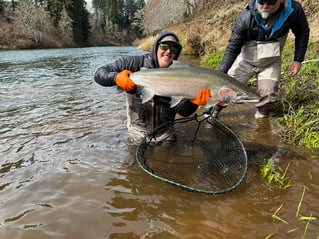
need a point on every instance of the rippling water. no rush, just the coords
(66, 170)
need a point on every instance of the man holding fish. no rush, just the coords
(142, 117)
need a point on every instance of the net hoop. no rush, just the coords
(145, 142)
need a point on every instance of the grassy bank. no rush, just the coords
(300, 100)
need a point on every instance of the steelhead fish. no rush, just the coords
(182, 81)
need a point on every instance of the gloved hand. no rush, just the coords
(123, 81)
(202, 97)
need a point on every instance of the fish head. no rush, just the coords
(226, 95)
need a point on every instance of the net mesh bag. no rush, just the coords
(198, 154)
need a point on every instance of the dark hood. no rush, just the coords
(155, 46)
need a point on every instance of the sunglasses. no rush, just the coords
(269, 2)
(165, 47)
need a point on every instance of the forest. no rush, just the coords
(26, 24)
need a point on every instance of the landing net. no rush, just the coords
(201, 155)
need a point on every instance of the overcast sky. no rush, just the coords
(89, 4)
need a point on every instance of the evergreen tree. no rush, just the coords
(80, 20)
(1, 7)
(55, 7)
(120, 15)
(76, 10)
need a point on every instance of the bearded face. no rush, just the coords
(265, 13)
(266, 8)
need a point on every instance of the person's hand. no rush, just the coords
(123, 81)
(202, 97)
(294, 68)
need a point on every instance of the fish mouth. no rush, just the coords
(242, 99)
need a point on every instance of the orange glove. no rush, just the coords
(123, 81)
(202, 97)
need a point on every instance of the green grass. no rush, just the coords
(273, 176)
(302, 127)
(299, 99)
(213, 60)
(300, 218)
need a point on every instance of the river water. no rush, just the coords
(66, 170)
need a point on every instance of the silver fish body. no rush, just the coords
(185, 81)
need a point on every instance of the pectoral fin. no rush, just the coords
(174, 101)
(147, 94)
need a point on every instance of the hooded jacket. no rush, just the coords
(249, 27)
(155, 112)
